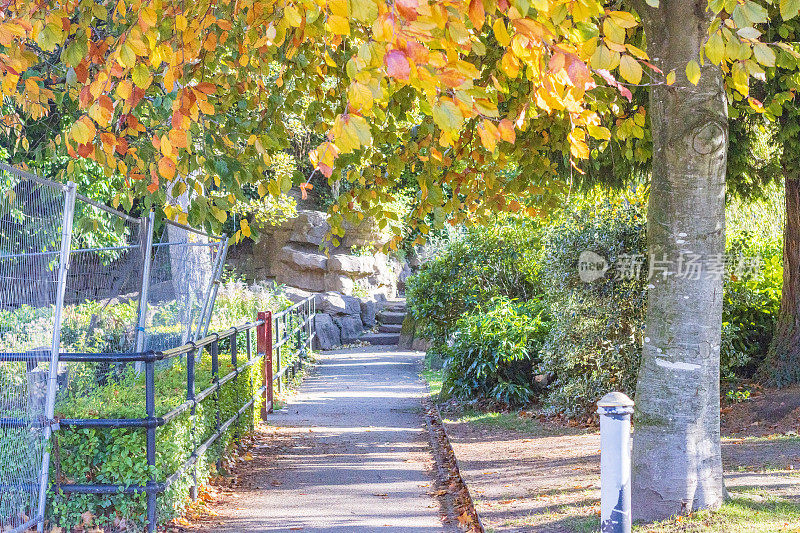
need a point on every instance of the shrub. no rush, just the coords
(594, 344)
(484, 263)
(117, 456)
(494, 351)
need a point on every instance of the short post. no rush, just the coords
(615, 410)
(150, 407)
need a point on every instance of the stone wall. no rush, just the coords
(292, 254)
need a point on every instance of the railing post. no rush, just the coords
(615, 410)
(264, 346)
(150, 407)
(215, 380)
(190, 374)
(280, 342)
(235, 363)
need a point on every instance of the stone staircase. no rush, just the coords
(390, 322)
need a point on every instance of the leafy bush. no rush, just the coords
(486, 262)
(594, 345)
(99, 390)
(117, 456)
(493, 352)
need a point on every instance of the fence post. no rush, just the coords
(70, 194)
(615, 410)
(190, 373)
(150, 406)
(264, 346)
(148, 224)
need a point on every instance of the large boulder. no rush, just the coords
(339, 283)
(304, 258)
(350, 328)
(310, 227)
(368, 306)
(335, 303)
(328, 334)
(295, 295)
(353, 265)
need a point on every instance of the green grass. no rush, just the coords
(508, 421)
(738, 515)
(434, 380)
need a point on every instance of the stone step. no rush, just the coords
(397, 308)
(391, 317)
(390, 328)
(381, 339)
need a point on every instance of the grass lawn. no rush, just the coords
(752, 509)
(738, 515)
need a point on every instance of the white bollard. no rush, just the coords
(615, 411)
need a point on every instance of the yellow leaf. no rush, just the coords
(693, 72)
(603, 58)
(630, 69)
(339, 8)
(80, 132)
(500, 33)
(623, 19)
(488, 137)
(181, 23)
(715, 48)
(671, 77)
(598, 132)
(338, 25)
(124, 89)
(141, 76)
(764, 54)
(292, 16)
(613, 31)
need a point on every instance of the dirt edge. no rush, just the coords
(460, 507)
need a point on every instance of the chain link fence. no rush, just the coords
(77, 276)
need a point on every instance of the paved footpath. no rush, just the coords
(350, 453)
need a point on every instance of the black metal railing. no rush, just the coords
(288, 335)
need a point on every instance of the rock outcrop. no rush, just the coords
(293, 255)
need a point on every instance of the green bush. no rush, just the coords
(494, 351)
(486, 262)
(594, 344)
(117, 456)
(98, 390)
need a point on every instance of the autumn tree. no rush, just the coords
(188, 97)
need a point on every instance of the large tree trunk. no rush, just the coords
(677, 465)
(782, 365)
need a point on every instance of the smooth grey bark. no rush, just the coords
(782, 365)
(677, 465)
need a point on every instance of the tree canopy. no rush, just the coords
(488, 98)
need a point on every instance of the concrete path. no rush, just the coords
(350, 453)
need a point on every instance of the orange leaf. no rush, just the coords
(407, 8)
(477, 14)
(507, 132)
(166, 167)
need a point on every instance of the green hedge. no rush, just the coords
(117, 456)
(590, 336)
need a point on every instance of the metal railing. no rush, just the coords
(294, 325)
(290, 330)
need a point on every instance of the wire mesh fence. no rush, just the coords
(32, 214)
(186, 262)
(77, 276)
